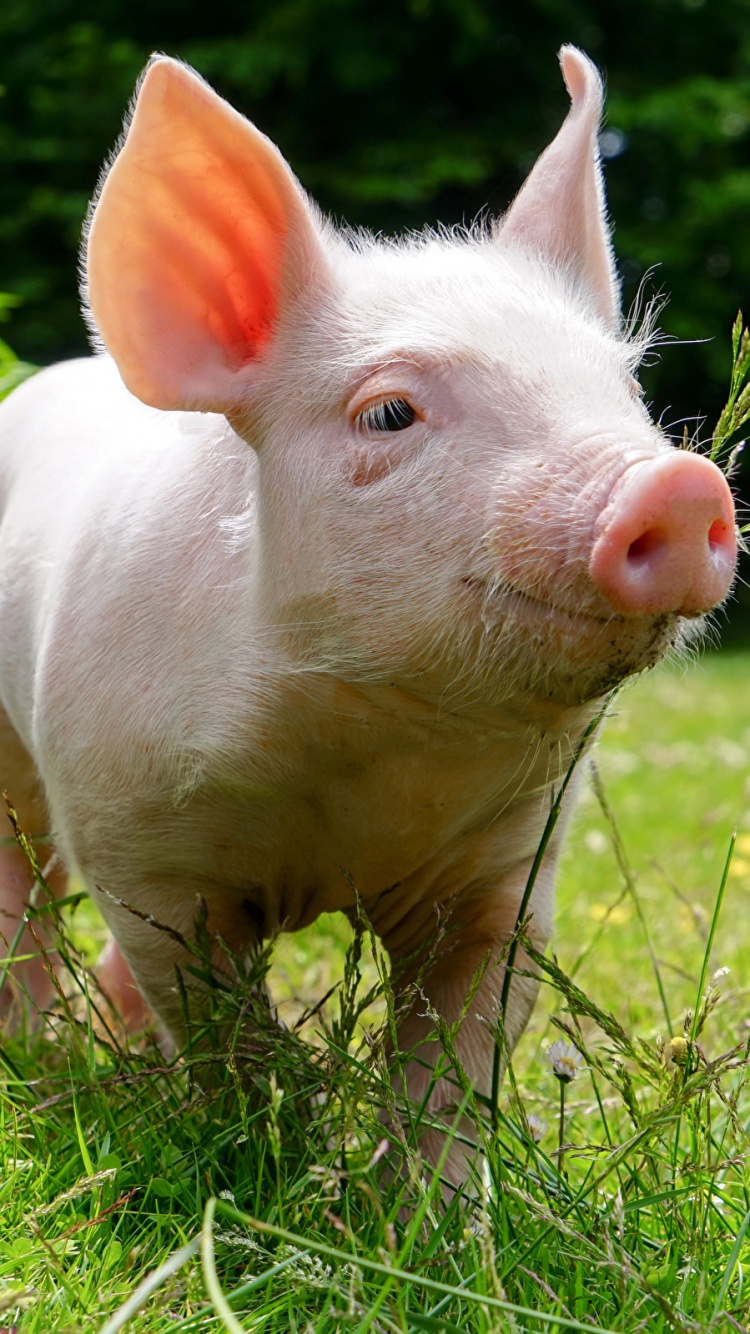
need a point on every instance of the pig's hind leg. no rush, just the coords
(121, 989)
(19, 780)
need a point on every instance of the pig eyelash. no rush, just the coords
(389, 414)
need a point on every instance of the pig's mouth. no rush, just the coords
(520, 599)
(572, 655)
(558, 613)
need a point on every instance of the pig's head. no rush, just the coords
(458, 480)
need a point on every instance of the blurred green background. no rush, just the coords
(399, 112)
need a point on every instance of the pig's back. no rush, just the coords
(115, 518)
(71, 430)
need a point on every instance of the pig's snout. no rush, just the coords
(667, 543)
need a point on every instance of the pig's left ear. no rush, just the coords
(200, 237)
(560, 210)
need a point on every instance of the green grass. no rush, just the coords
(115, 1160)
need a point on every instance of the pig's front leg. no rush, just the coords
(139, 966)
(479, 926)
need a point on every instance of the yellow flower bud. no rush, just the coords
(676, 1052)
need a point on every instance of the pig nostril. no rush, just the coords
(646, 546)
(720, 535)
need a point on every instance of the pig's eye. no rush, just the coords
(390, 414)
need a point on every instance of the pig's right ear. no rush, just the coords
(199, 237)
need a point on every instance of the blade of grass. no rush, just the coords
(89, 1166)
(552, 819)
(630, 885)
(211, 1279)
(150, 1285)
(702, 983)
(731, 1265)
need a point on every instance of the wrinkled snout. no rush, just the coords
(667, 540)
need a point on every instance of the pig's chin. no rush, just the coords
(572, 658)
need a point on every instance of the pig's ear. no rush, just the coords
(560, 210)
(199, 237)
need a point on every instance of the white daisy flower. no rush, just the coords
(565, 1060)
(537, 1127)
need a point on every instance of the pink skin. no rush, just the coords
(666, 541)
(121, 988)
